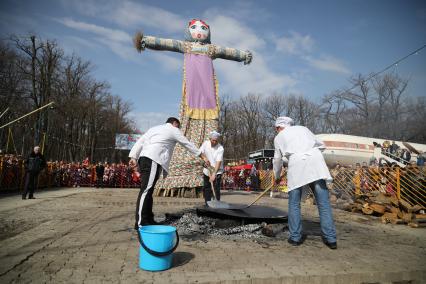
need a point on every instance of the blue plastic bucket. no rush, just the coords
(157, 244)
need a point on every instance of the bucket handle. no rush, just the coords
(157, 253)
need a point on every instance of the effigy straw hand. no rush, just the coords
(138, 42)
(249, 57)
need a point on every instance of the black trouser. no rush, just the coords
(100, 181)
(30, 184)
(254, 182)
(207, 188)
(150, 172)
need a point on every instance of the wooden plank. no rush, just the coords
(420, 216)
(417, 225)
(356, 207)
(405, 205)
(381, 198)
(398, 221)
(407, 217)
(394, 210)
(367, 210)
(388, 217)
(415, 208)
(378, 208)
(394, 200)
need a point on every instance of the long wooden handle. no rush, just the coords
(214, 193)
(210, 171)
(260, 195)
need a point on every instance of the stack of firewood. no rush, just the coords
(390, 209)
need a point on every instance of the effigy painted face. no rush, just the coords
(198, 31)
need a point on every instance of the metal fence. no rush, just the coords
(407, 183)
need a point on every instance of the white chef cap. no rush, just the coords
(283, 121)
(214, 135)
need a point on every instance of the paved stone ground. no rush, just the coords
(85, 235)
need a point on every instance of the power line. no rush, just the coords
(388, 67)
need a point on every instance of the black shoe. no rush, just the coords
(330, 245)
(297, 243)
(31, 197)
(24, 197)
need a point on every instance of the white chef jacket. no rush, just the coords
(213, 154)
(303, 151)
(158, 144)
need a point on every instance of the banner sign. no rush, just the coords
(126, 141)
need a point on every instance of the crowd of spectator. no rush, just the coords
(11, 171)
(400, 154)
(66, 174)
(84, 174)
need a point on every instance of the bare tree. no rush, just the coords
(333, 110)
(86, 116)
(40, 61)
(362, 99)
(413, 126)
(274, 106)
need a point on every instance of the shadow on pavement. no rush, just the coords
(311, 228)
(181, 258)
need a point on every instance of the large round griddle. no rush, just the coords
(253, 214)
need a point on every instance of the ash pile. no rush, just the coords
(190, 226)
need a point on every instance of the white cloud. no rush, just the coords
(73, 44)
(328, 63)
(117, 41)
(131, 14)
(235, 78)
(227, 31)
(111, 34)
(145, 120)
(239, 79)
(168, 62)
(124, 50)
(302, 46)
(295, 44)
(82, 42)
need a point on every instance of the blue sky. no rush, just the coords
(300, 47)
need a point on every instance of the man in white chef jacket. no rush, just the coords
(152, 152)
(306, 166)
(214, 153)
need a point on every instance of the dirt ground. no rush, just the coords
(85, 235)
